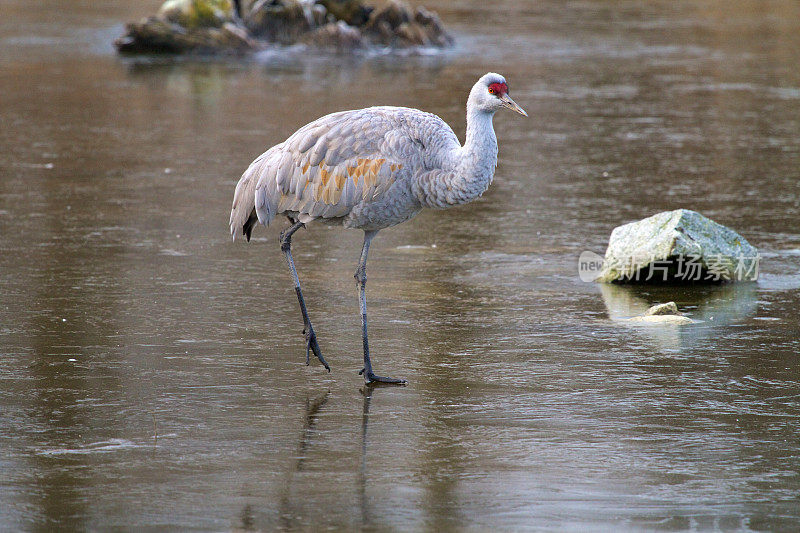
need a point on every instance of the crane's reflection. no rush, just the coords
(313, 407)
(288, 513)
(367, 391)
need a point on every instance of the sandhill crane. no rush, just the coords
(370, 169)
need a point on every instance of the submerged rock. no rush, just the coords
(234, 26)
(676, 320)
(662, 314)
(669, 308)
(719, 304)
(678, 246)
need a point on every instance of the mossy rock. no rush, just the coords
(197, 13)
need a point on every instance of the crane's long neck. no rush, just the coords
(470, 168)
(478, 157)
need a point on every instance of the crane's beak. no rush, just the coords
(512, 105)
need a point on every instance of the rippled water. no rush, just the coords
(153, 372)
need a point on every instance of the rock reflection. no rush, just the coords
(712, 306)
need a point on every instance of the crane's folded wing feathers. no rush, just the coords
(330, 165)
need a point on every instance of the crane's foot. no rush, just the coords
(313, 346)
(372, 379)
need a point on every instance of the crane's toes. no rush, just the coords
(372, 380)
(313, 346)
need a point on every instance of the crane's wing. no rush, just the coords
(334, 163)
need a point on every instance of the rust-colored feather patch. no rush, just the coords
(339, 180)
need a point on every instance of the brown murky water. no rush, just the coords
(153, 372)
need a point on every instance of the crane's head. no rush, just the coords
(491, 93)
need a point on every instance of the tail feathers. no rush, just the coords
(247, 228)
(243, 211)
(253, 202)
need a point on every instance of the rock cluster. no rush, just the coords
(237, 27)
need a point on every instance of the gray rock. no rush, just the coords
(282, 21)
(395, 24)
(335, 35)
(352, 12)
(392, 14)
(682, 246)
(432, 27)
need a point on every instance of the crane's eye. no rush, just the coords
(498, 89)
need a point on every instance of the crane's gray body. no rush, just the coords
(368, 168)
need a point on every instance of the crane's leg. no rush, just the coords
(308, 329)
(361, 283)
